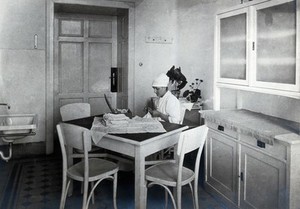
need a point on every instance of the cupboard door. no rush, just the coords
(263, 184)
(221, 165)
(276, 39)
(232, 43)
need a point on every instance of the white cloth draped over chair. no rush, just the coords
(89, 170)
(174, 174)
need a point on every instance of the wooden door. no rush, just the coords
(85, 51)
(263, 184)
(221, 171)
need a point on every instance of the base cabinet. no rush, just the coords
(222, 165)
(244, 174)
(262, 180)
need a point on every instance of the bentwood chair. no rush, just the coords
(74, 111)
(174, 174)
(81, 110)
(89, 169)
(166, 153)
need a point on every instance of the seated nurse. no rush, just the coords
(167, 106)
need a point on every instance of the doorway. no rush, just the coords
(88, 42)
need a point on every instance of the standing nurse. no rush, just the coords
(167, 106)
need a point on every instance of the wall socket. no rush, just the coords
(158, 40)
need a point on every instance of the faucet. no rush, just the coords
(5, 104)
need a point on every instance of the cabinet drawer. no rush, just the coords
(222, 129)
(276, 150)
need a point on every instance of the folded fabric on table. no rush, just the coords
(116, 119)
(134, 125)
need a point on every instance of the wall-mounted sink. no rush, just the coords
(14, 127)
(17, 125)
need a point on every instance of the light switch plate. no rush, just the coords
(158, 40)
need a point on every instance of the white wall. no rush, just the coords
(153, 18)
(196, 22)
(277, 106)
(22, 67)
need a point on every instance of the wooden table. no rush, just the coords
(137, 146)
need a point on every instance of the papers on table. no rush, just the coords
(134, 125)
(121, 124)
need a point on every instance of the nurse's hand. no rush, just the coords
(155, 113)
(149, 110)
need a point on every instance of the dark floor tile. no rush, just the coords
(36, 184)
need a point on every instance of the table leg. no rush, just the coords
(139, 180)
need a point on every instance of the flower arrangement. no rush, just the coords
(194, 93)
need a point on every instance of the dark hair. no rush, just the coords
(175, 75)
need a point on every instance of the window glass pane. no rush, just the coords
(233, 47)
(276, 44)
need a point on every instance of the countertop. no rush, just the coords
(263, 127)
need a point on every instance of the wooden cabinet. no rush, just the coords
(221, 165)
(248, 173)
(257, 48)
(261, 176)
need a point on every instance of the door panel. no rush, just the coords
(264, 176)
(70, 67)
(222, 164)
(85, 51)
(101, 29)
(100, 58)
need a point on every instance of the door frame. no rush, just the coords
(49, 122)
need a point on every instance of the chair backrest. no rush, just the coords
(191, 140)
(74, 111)
(70, 137)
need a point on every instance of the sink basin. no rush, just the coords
(17, 125)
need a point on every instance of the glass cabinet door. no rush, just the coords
(232, 60)
(276, 45)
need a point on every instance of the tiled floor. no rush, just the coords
(36, 184)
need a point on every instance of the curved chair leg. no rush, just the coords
(166, 199)
(115, 190)
(196, 194)
(64, 193)
(193, 196)
(168, 190)
(93, 196)
(178, 197)
(93, 189)
(85, 194)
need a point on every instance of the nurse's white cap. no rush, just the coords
(161, 81)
